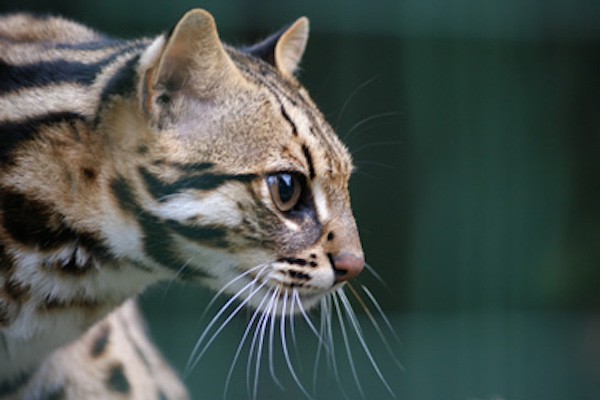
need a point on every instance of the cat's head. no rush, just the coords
(245, 185)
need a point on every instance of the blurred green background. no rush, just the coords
(475, 126)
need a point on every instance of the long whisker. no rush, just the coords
(380, 311)
(258, 338)
(377, 327)
(359, 335)
(242, 341)
(271, 334)
(376, 144)
(349, 99)
(325, 336)
(328, 320)
(347, 343)
(222, 326)
(368, 119)
(306, 317)
(174, 278)
(292, 328)
(285, 349)
(378, 277)
(270, 306)
(320, 335)
(210, 325)
(253, 344)
(263, 268)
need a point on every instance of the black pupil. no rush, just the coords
(286, 187)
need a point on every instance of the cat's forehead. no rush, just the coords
(285, 120)
(269, 124)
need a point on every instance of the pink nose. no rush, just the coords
(346, 266)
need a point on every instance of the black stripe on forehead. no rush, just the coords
(207, 181)
(289, 120)
(267, 76)
(283, 91)
(309, 161)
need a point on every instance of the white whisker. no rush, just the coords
(190, 365)
(242, 341)
(376, 325)
(261, 339)
(368, 119)
(380, 311)
(354, 93)
(263, 268)
(174, 278)
(285, 349)
(253, 343)
(271, 334)
(306, 317)
(329, 317)
(292, 327)
(354, 321)
(320, 335)
(378, 277)
(347, 343)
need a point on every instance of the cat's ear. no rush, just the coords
(285, 48)
(190, 59)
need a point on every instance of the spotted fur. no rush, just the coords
(126, 162)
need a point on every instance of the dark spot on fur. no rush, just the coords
(313, 264)
(15, 290)
(101, 341)
(313, 255)
(330, 236)
(298, 275)
(291, 260)
(117, 380)
(163, 99)
(143, 149)
(89, 174)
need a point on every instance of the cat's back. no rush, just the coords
(43, 30)
(53, 69)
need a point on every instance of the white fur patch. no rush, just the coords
(320, 202)
(208, 208)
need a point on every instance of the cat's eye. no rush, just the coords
(285, 189)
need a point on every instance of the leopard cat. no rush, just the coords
(128, 162)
